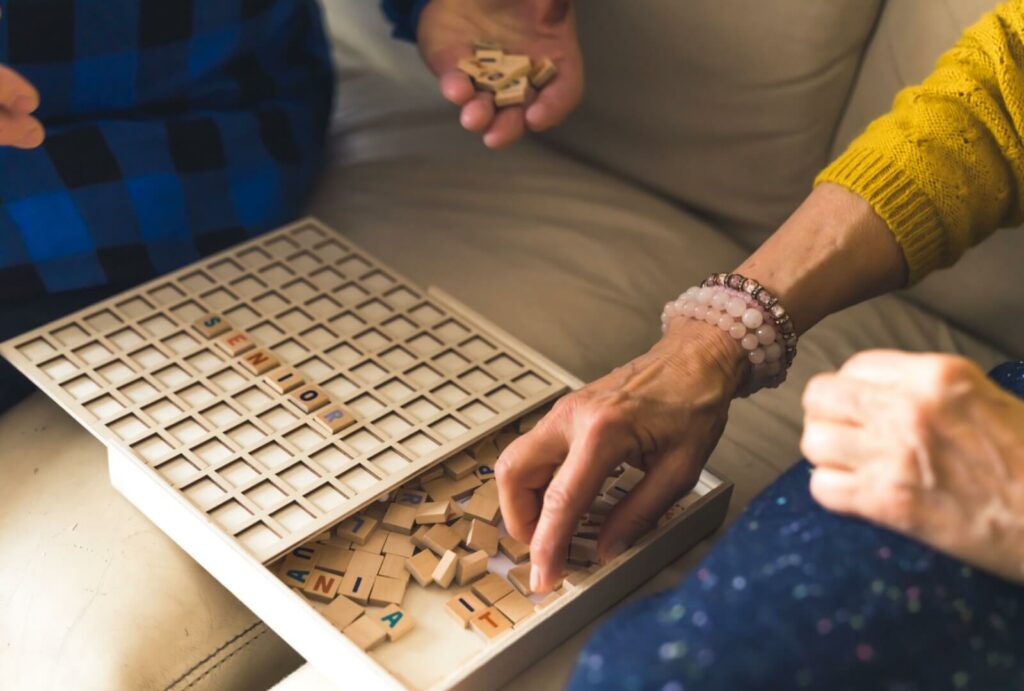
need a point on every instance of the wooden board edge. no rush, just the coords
(630, 570)
(281, 609)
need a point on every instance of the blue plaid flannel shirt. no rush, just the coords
(174, 128)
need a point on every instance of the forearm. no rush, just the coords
(833, 252)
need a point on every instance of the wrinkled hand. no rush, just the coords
(538, 28)
(18, 100)
(663, 412)
(925, 445)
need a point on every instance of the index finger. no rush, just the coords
(591, 457)
(17, 94)
(523, 470)
(906, 369)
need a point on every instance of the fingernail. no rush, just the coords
(534, 578)
(23, 104)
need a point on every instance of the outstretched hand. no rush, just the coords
(663, 413)
(18, 100)
(537, 28)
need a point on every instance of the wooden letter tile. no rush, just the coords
(432, 474)
(398, 544)
(422, 566)
(491, 588)
(410, 497)
(357, 529)
(550, 598)
(339, 542)
(308, 398)
(308, 553)
(393, 566)
(366, 632)
(356, 586)
(259, 361)
(342, 612)
(374, 543)
(582, 551)
(473, 67)
(490, 623)
(399, 518)
(461, 528)
(333, 418)
(211, 325)
(366, 563)
(489, 56)
(512, 548)
(482, 536)
(464, 487)
(519, 576)
(460, 466)
(234, 343)
(444, 572)
(334, 559)
(512, 94)
(433, 512)
(515, 606)
(516, 66)
(464, 607)
(484, 472)
(440, 538)
(322, 585)
(417, 537)
(542, 73)
(283, 379)
(387, 591)
(484, 506)
(294, 572)
(471, 567)
(396, 621)
(574, 579)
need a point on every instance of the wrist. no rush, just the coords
(690, 342)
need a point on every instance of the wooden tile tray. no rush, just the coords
(204, 440)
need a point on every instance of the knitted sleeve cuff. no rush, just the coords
(404, 16)
(898, 199)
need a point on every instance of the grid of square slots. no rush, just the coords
(274, 384)
(442, 529)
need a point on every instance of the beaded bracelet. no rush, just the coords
(750, 314)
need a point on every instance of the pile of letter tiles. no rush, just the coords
(438, 531)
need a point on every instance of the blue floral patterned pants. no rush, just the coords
(795, 597)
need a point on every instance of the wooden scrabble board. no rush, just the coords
(319, 433)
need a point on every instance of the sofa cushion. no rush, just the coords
(729, 108)
(94, 597)
(984, 288)
(729, 111)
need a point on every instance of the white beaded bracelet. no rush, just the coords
(744, 315)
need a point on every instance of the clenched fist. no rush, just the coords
(925, 445)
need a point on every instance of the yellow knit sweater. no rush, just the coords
(945, 167)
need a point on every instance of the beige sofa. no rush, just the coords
(702, 128)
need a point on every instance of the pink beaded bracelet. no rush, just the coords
(747, 312)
